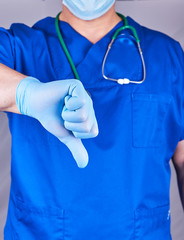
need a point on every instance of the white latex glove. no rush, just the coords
(64, 108)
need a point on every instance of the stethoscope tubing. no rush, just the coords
(126, 26)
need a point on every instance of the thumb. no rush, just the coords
(77, 149)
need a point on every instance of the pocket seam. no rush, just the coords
(144, 214)
(149, 98)
(41, 212)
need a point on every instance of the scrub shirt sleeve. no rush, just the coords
(7, 47)
(180, 53)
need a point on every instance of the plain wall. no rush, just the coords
(164, 15)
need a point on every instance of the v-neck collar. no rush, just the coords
(80, 47)
(64, 24)
(69, 33)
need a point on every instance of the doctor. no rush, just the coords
(123, 192)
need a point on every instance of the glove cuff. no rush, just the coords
(21, 93)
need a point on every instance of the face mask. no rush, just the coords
(88, 9)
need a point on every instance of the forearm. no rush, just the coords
(180, 180)
(9, 80)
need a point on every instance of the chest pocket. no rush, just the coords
(148, 114)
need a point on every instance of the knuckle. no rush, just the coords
(83, 101)
(73, 84)
(74, 81)
(90, 101)
(77, 83)
(95, 131)
(63, 115)
(87, 127)
(83, 117)
(66, 124)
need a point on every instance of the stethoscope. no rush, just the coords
(126, 26)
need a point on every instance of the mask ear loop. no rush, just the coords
(125, 80)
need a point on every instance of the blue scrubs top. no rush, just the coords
(123, 193)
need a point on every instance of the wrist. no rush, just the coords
(23, 92)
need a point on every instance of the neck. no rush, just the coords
(94, 29)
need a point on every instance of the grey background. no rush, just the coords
(163, 15)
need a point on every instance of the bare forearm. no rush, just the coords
(180, 180)
(9, 80)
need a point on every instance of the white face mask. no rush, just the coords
(88, 9)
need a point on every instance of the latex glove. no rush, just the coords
(64, 108)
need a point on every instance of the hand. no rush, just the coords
(64, 108)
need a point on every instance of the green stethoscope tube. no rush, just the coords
(126, 26)
(123, 18)
(65, 48)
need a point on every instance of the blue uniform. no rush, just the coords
(123, 193)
